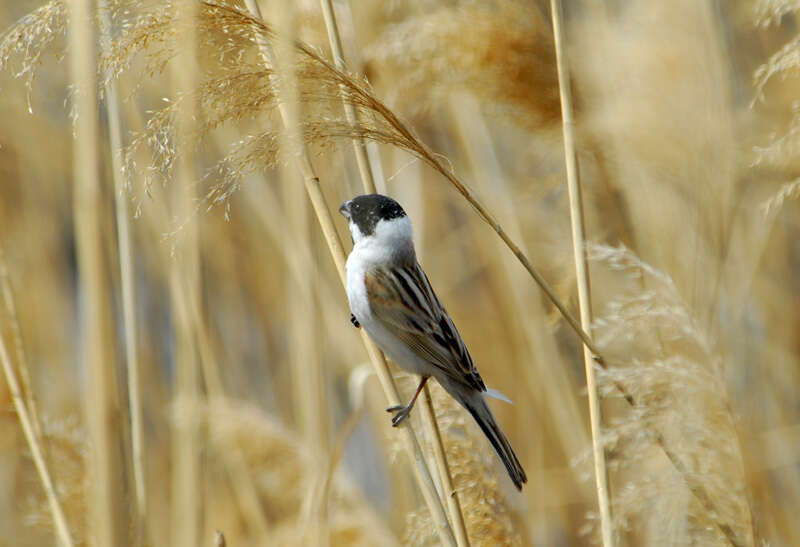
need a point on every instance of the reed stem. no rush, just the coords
(22, 361)
(448, 490)
(184, 283)
(104, 503)
(582, 272)
(127, 276)
(62, 530)
(359, 146)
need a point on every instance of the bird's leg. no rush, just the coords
(402, 412)
(354, 321)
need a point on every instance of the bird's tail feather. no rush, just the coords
(476, 405)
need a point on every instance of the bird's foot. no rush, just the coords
(354, 321)
(400, 413)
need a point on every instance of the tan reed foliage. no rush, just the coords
(33, 438)
(502, 52)
(30, 38)
(676, 377)
(684, 145)
(282, 470)
(488, 513)
(65, 440)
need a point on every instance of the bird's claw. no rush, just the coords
(354, 321)
(400, 414)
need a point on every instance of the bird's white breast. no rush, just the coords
(391, 243)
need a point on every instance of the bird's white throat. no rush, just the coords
(391, 240)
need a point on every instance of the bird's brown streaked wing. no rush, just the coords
(403, 301)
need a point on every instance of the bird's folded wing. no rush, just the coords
(402, 299)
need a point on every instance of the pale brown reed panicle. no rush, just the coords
(23, 44)
(243, 92)
(65, 441)
(502, 52)
(282, 471)
(782, 148)
(489, 515)
(668, 363)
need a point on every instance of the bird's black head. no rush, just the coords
(365, 211)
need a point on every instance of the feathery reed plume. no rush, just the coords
(487, 513)
(675, 376)
(29, 38)
(282, 470)
(57, 513)
(12, 320)
(789, 191)
(771, 11)
(500, 51)
(782, 64)
(65, 440)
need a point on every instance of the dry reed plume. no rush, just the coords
(674, 374)
(488, 514)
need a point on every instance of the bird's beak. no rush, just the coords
(344, 209)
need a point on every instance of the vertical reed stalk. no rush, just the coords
(103, 500)
(439, 454)
(368, 183)
(127, 275)
(185, 289)
(244, 488)
(303, 313)
(328, 228)
(359, 147)
(582, 271)
(62, 531)
(306, 366)
(307, 374)
(22, 361)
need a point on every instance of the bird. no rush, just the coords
(391, 298)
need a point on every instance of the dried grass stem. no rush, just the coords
(582, 272)
(62, 531)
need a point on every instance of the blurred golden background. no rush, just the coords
(180, 338)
